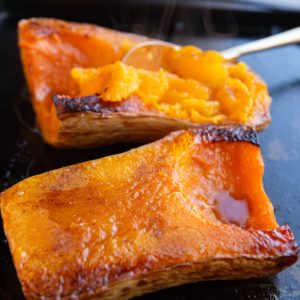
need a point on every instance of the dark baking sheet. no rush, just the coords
(23, 153)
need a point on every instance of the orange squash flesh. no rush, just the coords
(200, 87)
(197, 86)
(119, 226)
(161, 92)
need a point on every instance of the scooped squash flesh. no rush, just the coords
(119, 226)
(223, 98)
(69, 60)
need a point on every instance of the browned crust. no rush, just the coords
(226, 132)
(217, 269)
(125, 285)
(42, 27)
(94, 104)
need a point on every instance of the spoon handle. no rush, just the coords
(288, 37)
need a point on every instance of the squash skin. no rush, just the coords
(120, 122)
(96, 243)
(88, 122)
(51, 48)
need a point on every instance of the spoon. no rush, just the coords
(148, 55)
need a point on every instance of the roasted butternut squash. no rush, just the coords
(66, 63)
(119, 226)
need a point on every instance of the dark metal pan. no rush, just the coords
(23, 153)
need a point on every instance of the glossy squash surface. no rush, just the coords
(120, 226)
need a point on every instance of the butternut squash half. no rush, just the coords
(84, 96)
(119, 226)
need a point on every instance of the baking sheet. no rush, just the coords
(23, 153)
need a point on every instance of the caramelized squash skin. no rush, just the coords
(118, 227)
(51, 49)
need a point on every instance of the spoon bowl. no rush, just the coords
(149, 55)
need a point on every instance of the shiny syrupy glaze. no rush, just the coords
(145, 213)
(230, 210)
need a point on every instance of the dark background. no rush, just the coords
(208, 24)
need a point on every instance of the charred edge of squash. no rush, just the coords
(42, 29)
(282, 240)
(49, 26)
(66, 104)
(226, 132)
(232, 268)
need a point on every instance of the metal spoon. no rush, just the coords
(148, 55)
